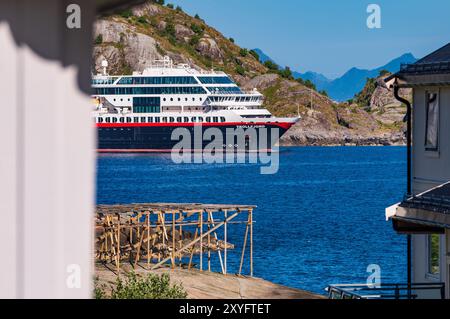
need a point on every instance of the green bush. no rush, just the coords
(271, 65)
(126, 14)
(99, 39)
(150, 287)
(142, 20)
(243, 52)
(240, 70)
(170, 6)
(231, 40)
(324, 93)
(286, 73)
(255, 54)
(179, 9)
(194, 40)
(198, 29)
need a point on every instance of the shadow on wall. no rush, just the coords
(25, 19)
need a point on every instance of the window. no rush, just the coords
(215, 80)
(158, 80)
(150, 119)
(432, 122)
(146, 104)
(143, 119)
(157, 119)
(215, 119)
(150, 90)
(433, 254)
(225, 89)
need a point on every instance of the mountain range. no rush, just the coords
(351, 82)
(132, 38)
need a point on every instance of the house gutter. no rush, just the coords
(409, 175)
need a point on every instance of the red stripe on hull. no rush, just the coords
(121, 125)
(164, 151)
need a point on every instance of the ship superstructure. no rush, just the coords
(138, 113)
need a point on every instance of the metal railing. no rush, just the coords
(395, 291)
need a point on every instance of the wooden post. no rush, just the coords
(173, 240)
(118, 244)
(251, 242)
(192, 243)
(209, 244)
(193, 249)
(244, 245)
(148, 240)
(180, 239)
(201, 239)
(226, 241)
(217, 241)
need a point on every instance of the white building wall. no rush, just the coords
(430, 169)
(47, 158)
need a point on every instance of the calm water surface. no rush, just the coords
(319, 220)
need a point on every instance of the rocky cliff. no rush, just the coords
(131, 39)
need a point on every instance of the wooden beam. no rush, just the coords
(196, 240)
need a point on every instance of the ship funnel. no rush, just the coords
(104, 66)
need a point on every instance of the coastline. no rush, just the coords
(204, 285)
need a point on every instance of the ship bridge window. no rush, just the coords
(171, 119)
(157, 119)
(186, 119)
(108, 120)
(143, 120)
(215, 80)
(222, 119)
(114, 119)
(136, 120)
(208, 119)
(99, 120)
(150, 90)
(164, 119)
(200, 119)
(215, 119)
(179, 119)
(225, 89)
(129, 120)
(158, 80)
(150, 119)
(194, 119)
(146, 104)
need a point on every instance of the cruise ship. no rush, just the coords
(139, 112)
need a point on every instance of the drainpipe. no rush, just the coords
(408, 182)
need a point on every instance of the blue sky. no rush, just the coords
(328, 36)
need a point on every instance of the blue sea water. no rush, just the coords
(320, 219)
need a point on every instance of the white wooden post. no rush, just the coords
(47, 157)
